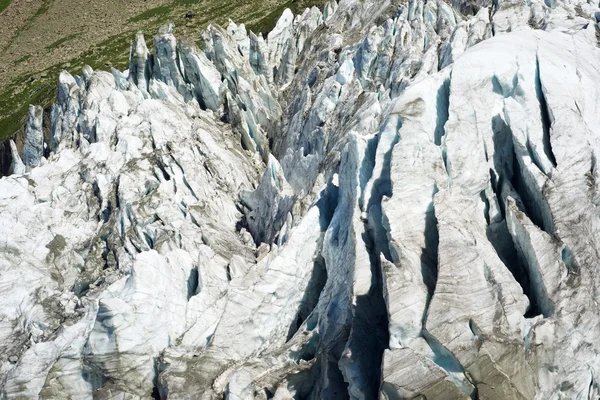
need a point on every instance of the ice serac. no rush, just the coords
(271, 292)
(17, 166)
(269, 207)
(410, 240)
(250, 103)
(378, 199)
(351, 307)
(279, 37)
(139, 203)
(140, 63)
(257, 56)
(33, 146)
(239, 34)
(203, 75)
(166, 61)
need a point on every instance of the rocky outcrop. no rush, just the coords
(379, 200)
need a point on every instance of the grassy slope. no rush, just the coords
(40, 87)
(4, 4)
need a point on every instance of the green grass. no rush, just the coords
(40, 88)
(41, 93)
(187, 2)
(4, 4)
(151, 13)
(42, 10)
(112, 52)
(62, 40)
(22, 59)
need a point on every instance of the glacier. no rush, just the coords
(378, 199)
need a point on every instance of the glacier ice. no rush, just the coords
(378, 199)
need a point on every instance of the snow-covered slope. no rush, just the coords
(382, 199)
